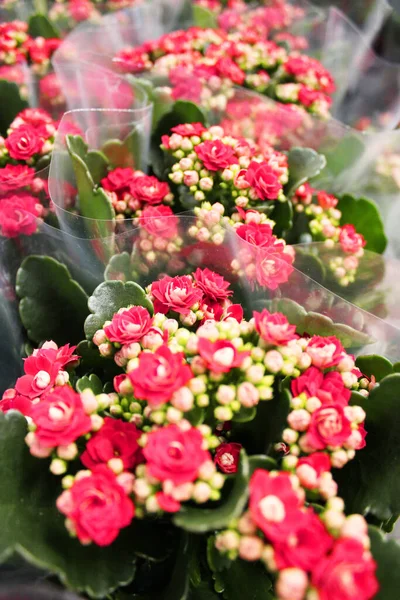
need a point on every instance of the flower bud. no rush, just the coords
(225, 394)
(105, 349)
(250, 548)
(42, 379)
(227, 540)
(58, 466)
(201, 492)
(334, 519)
(273, 361)
(355, 526)
(289, 436)
(255, 373)
(339, 459)
(313, 404)
(223, 413)
(299, 420)
(97, 422)
(89, 401)
(248, 394)
(67, 452)
(126, 481)
(292, 584)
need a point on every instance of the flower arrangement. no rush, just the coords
(184, 414)
(203, 65)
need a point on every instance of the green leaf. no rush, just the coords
(91, 382)
(246, 580)
(94, 204)
(217, 561)
(245, 414)
(261, 461)
(126, 153)
(108, 298)
(365, 216)
(283, 217)
(53, 306)
(95, 160)
(119, 267)
(40, 26)
(178, 587)
(203, 592)
(200, 520)
(342, 156)
(304, 164)
(396, 367)
(204, 18)
(370, 483)
(378, 366)
(11, 104)
(32, 527)
(386, 552)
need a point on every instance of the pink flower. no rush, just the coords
(220, 356)
(116, 439)
(227, 68)
(273, 266)
(348, 573)
(274, 505)
(159, 221)
(175, 293)
(263, 180)
(149, 189)
(189, 129)
(216, 155)
(227, 457)
(129, 325)
(325, 352)
(310, 468)
(326, 200)
(256, 234)
(24, 142)
(11, 400)
(274, 328)
(329, 387)
(15, 177)
(175, 455)
(132, 60)
(308, 96)
(159, 375)
(329, 427)
(213, 286)
(167, 503)
(41, 370)
(118, 180)
(19, 215)
(306, 545)
(351, 241)
(97, 506)
(60, 418)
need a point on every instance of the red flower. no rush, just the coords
(187, 88)
(149, 189)
(132, 60)
(348, 573)
(167, 503)
(97, 506)
(274, 328)
(319, 461)
(175, 455)
(351, 241)
(118, 180)
(216, 155)
(274, 505)
(221, 356)
(37, 117)
(326, 200)
(325, 352)
(159, 221)
(263, 180)
(259, 235)
(226, 67)
(15, 177)
(116, 439)
(306, 545)
(41, 370)
(11, 400)
(175, 293)
(329, 427)
(129, 325)
(227, 457)
(214, 286)
(273, 266)
(308, 96)
(159, 375)
(189, 129)
(24, 142)
(60, 418)
(19, 215)
(329, 388)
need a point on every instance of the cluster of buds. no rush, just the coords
(293, 541)
(203, 65)
(159, 485)
(219, 168)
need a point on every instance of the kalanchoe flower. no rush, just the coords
(213, 286)
(159, 375)
(274, 328)
(328, 388)
(19, 215)
(325, 352)
(220, 356)
(11, 400)
(351, 241)
(59, 420)
(129, 325)
(176, 294)
(97, 507)
(115, 441)
(227, 457)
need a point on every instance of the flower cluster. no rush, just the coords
(203, 65)
(66, 14)
(314, 555)
(217, 167)
(24, 199)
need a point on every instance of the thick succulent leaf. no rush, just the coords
(375, 365)
(365, 216)
(386, 552)
(204, 18)
(108, 298)
(11, 104)
(304, 164)
(40, 26)
(53, 306)
(91, 382)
